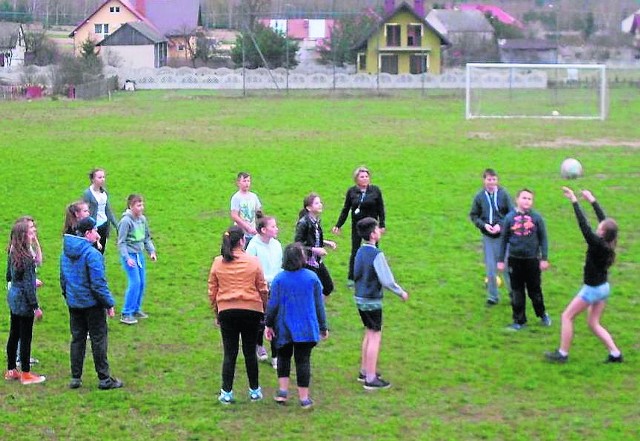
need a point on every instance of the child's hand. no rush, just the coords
(324, 334)
(131, 263)
(331, 244)
(38, 314)
(500, 266)
(153, 256)
(588, 196)
(544, 264)
(111, 312)
(404, 296)
(568, 193)
(269, 334)
(39, 283)
(319, 251)
(335, 230)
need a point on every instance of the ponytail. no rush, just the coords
(262, 221)
(230, 240)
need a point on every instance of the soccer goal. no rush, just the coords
(554, 91)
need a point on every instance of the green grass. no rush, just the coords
(456, 374)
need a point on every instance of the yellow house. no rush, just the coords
(176, 20)
(402, 43)
(104, 21)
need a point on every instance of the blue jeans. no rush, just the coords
(137, 281)
(491, 246)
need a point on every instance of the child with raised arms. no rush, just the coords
(601, 253)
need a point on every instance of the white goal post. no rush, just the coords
(553, 91)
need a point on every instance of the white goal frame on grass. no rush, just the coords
(555, 82)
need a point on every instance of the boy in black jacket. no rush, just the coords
(524, 232)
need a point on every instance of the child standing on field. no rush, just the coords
(524, 232)
(601, 253)
(23, 302)
(245, 206)
(372, 274)
(268, 250)
(133, 239)
(309, 234)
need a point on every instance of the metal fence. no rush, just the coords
(10, 93)
(94, 89)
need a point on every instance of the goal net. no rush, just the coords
(554, 91)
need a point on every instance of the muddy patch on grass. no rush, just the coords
(563, 142)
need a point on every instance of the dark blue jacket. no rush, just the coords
(526, 236)
(22, 295)
(296, 308)
(82, 277)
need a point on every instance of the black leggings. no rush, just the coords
(236, 323)
(103, 231)
(21, 331)
(302, 355)
(325, 278)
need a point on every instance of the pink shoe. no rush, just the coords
(12, 374)
(31, 378)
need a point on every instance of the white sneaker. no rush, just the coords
(262, 353)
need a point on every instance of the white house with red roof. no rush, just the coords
(499, 13)
(177, 20)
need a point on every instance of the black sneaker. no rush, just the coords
(556, 357)
(376, 384)
(75, 383)
(110, 383)
(491, 302)
(612, 359)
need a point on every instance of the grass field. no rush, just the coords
(456, 374)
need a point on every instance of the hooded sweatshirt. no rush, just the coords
(133, 235)
(82, 276)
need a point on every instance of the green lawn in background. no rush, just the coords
(456, 374)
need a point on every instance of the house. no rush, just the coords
(310, 33)
(630, 24)
(402, 43)
(136, 42)
(498, 13)
(176, 20)
(12, 45)
(471, 35)
(523, 50)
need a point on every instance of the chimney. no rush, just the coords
(418, 6)
(389, 6)
(141, 6)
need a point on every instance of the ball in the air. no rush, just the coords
(571, 169)
(498, 281)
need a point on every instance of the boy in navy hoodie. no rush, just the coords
(372, 273)
(84, 286)
(524, 232)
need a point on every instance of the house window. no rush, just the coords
(114, 9)
(414, 35)
(362, 62)
(389, 64)
(181, 47)
(98, 28)
(392, 32)
(418, 64)
(105, 28)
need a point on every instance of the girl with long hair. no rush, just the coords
(601, 253)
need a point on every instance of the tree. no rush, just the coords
(41, 51)
(503, 30)
(345, 35)
(250, 11)
(273, 46)
(89, 59)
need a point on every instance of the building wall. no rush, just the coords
(377, 44)
(103, 16)
(134, 57)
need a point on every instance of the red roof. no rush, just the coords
(496, 11)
